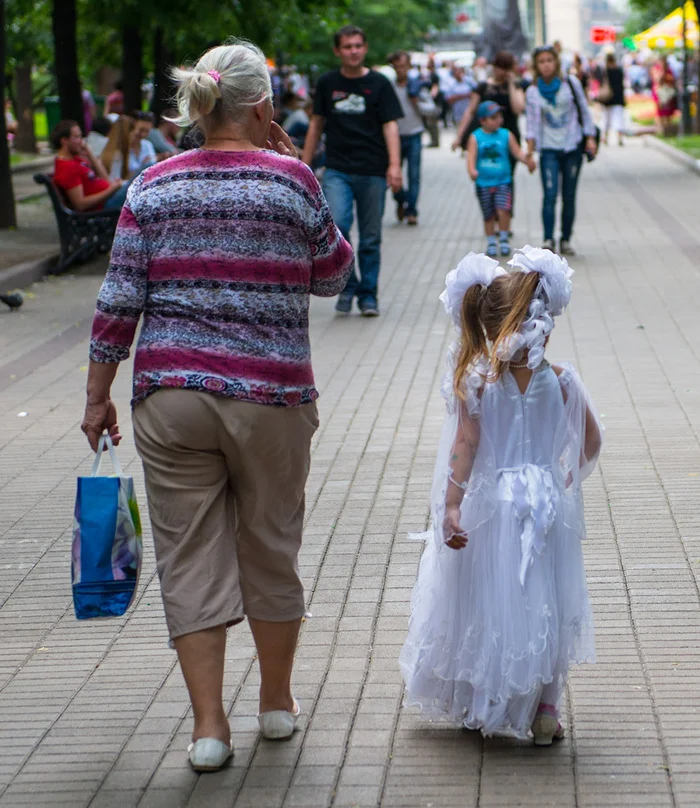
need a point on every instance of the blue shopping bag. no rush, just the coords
(107, 543)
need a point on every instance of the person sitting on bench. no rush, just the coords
(80, 175)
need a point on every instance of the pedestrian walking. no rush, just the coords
(612, 96)
(560, 127)
(358, 109)
(219, 249)
(506, 89)
(503, 87)
(459, 92)
(489, 151)
(500, 608)
(664, 91)
(411, 135)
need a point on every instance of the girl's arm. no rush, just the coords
(593, 439)
(519, 154)
(472, 150)
(464, 451)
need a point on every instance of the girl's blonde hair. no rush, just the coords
(491, 314)
(118, 142)
(223, 85)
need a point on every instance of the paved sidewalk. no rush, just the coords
(96, 714)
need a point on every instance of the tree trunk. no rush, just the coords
(163, 87)
(7, 197)
(64, 20)
(25, 141)
(132, 67)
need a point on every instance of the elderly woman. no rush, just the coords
(560, 126)
(219, 249)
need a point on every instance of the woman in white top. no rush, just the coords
(140, 152)
(560, 127)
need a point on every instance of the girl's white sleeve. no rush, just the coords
(580, 436)
(464, 460)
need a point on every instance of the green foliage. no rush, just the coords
(297, 31)
(28, 32)
(645, 13)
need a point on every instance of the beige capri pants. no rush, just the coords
(225, 483)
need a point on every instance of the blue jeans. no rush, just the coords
(369, 193)
(117, 200)
(411, 147)
(554, 162)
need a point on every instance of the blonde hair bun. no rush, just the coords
(243, 81)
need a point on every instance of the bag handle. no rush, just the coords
(116, 465)
(579, 114)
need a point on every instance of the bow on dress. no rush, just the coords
(531, 490)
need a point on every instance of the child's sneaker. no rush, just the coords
(504, 247)
(492, 249)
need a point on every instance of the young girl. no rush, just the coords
(500, 608)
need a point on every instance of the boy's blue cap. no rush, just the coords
(486, 109)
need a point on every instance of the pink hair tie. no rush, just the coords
(215, 75)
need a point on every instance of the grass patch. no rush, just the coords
(690, 144)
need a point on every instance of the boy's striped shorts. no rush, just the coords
(497, 197)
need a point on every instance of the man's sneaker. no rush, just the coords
(400, 211)
(548, 244)
(343, 305)
(369, 308)
(565, 248)
(412, 221)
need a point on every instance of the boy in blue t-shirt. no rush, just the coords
(488, 163)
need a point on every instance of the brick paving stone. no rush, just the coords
(97, 713)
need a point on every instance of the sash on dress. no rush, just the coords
(531, 489)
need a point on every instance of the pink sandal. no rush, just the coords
(546, 727)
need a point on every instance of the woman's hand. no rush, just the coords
(591, 146)
(453, 534)
(280, 141)
(100, 416)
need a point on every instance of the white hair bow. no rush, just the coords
(555, 275)
(474, 269)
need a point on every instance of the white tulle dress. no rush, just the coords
(495, 626)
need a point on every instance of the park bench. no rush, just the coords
(82, 233)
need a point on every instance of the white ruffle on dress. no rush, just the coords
(494, 623)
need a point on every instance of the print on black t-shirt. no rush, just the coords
(355, 110)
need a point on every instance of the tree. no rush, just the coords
(28, 43)
(8, 216)
(64, 22)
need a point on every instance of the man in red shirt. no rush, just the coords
(80, 175)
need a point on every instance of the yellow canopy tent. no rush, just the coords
(668, 33)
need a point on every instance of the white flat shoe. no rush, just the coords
(209, 754)
(278, 725)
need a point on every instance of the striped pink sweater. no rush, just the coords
(219, 252)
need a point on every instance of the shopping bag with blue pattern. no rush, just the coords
(107, 543)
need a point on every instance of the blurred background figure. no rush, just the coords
(99, 135)
(612, 97)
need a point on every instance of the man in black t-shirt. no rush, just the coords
(358, 109)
